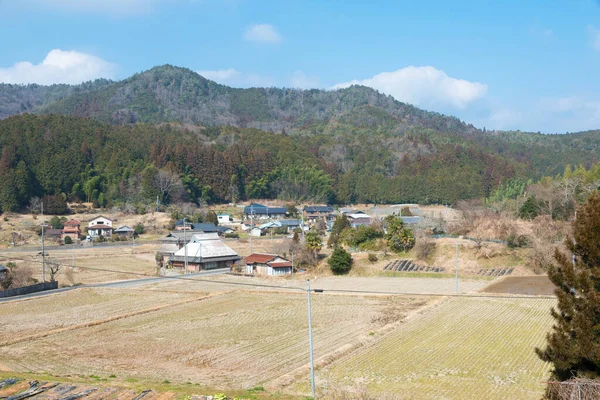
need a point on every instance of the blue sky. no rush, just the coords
(528, 65)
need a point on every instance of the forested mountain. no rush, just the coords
(125, 142)
(169, 94)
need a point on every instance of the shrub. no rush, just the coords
(139, 228)
(340, 261)
(515, 241)
(5, 219)
(231, 236)
(424, 248)
(68, 240)
(373, 258)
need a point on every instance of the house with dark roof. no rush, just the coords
(315, 213)
(267, 264)
(259, 211)
(100, 226)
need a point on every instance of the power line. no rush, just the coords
(315, 290)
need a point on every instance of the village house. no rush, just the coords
(100, 226)
(71, 229)
(224, 219)
(174, 241)
(267, 264)
(258, 211)
(358, 218)
(204, 251)
(315, 213)
(206, 227)
(124, 231)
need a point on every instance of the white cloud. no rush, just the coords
(59, 66)
(221, 75)
(594, 36)
(262, 33)
(302, 81)
(424, 86)
(235, 78)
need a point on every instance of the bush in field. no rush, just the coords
(231, 236)
(372, 257)
(340, 261)
(424, 247)
(68, 240)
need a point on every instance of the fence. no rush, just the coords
(29, 289)
(446, 235)
(574, 389)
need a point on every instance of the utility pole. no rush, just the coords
(73, 257)
(157, 203)
(43, 249)
(251, 225)
(302, 228)
(292, 265)
(310, 342)
(456, 267)
(184, 248)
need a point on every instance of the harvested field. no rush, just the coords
(462, 349)
(63, 310)
(234, 340)
(531, 285)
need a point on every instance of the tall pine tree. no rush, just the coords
(573, 345)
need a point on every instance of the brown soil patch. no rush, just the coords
(530, 285)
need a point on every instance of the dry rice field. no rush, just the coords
(463, 349)
(232, 340)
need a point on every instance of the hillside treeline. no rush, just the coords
(84, 160)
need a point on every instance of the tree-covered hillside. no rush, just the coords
(222, 144)
(172, 94)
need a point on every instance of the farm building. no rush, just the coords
(174, 241)
(204, 251)
(267, 264)
(259, 211)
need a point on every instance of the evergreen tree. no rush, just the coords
(339, 225)
(573, 346)
(340, 261)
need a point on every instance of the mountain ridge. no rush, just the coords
(173, 94)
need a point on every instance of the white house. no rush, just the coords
(100, 226)
(224, 219)
(267, 264)
(204, 251)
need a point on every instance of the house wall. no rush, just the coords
(279, 271)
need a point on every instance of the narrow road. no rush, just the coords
(118, 284)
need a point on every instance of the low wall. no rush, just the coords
(29, 289)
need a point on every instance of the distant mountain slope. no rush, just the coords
(172, 94)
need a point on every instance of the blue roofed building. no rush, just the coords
(260, 211)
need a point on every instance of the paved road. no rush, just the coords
(118, 284)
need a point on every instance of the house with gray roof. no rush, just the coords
(204, 251)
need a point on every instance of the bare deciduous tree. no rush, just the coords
(54, 267)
